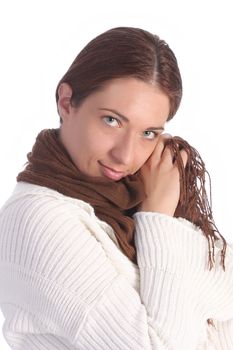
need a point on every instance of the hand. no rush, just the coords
(161, 179)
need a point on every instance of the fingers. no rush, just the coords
(170, 159)
(184, 157)
(164, 153)
(159, 149)
(167, 157)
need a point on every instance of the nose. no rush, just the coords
(123, 150)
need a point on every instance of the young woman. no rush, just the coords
(91, 253)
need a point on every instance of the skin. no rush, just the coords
(116, 131)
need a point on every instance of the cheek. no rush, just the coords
(97, 144)
(142, 155)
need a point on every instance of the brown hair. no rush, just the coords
(124, 52)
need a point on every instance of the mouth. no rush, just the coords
(111, 173)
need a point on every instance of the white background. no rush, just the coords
(40, 39)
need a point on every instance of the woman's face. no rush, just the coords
(115, 130)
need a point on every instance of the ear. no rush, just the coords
(63, 103)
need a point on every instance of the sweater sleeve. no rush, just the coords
(181, 292)
(61, 290)
(221, 335)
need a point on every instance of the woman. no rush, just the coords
(92, 256)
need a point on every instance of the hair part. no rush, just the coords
(124, 52)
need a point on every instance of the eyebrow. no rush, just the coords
(127, 120)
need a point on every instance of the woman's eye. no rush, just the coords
(151, 135)
(111, 121)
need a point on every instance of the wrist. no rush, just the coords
(148, 206)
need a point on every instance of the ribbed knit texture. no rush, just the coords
(66, 285)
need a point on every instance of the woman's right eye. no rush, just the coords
(111, 121)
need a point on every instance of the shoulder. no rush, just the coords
(57, 237)
(36, 219)
(32, 210)
(40, 229)
(39, 219)
(28, 194)
(31, 206)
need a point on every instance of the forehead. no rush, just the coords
(132, 98)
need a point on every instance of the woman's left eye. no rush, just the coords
(151, 135)
(111, 121)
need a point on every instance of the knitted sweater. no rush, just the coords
(66, 285)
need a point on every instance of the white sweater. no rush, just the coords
(66, 285)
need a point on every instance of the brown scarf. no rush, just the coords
(50, 165)
(194, 203)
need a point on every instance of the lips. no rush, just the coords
(111, 173)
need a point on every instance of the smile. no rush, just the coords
(111, 173)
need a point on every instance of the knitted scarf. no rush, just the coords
(194, 202)
(50, 165)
